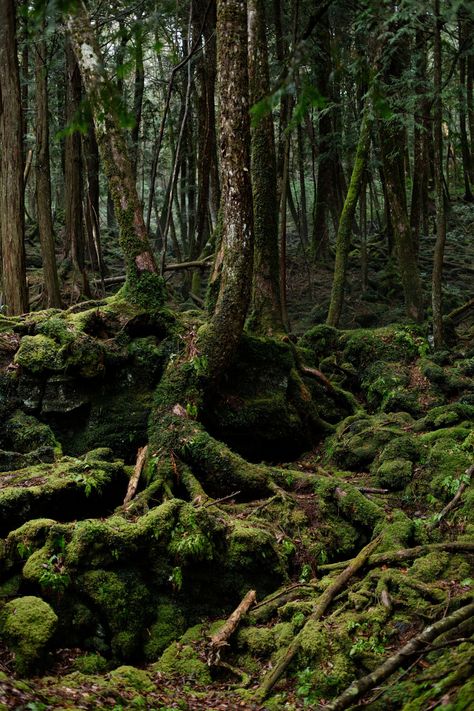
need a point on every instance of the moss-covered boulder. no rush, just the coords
(27, 625)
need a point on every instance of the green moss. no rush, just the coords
(430, 567)
(169, 625)
(183, 658)
(25, 433)
(321, 340)
(360, 438)
(132, 677)
(394, 474)
(259, 641)
(28, 625)
(397, 533)
(39, 354)
(91, 664)
(145, 289)
(125, 603)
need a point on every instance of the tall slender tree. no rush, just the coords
(142, 274)
(43, 178)
(11, 167)
(266, 312)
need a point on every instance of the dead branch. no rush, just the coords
(371, 490)
(360, 687)
(219, 639)
(134, 479)
(449, 507)
(322, 605)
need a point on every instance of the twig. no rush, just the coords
(360, 687)
(133, 483)
(371, 490)
(214, 502)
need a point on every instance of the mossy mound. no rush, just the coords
(65, 489)
(27, 625)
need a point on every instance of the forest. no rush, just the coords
(237, 355)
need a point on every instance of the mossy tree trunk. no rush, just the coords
(220, 337)
(343, 239)
(266, 308)
(11, 167)
(143, 283)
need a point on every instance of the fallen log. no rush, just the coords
(416, 645)
(322, 605)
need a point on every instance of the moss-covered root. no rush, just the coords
(320, 609)
(360, 687)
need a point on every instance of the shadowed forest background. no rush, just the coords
(236, 354)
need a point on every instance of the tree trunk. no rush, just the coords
(466, 153)
(43, 179)
(343, 239)
(221, 336)
(143, 284)
(74, 236)
(11, 167)
(438, 258)
(139, 86)
(266, 308)
(91, 154)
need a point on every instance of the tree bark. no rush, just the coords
(73, 174)
(11, 167)
(465, 151)
(43, 179)
(222, 334)
(143, 284)
(343, 239)
(266, 307)
(438, 257)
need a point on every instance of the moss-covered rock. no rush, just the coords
(28, 625)
(169, 626)
(394, 474)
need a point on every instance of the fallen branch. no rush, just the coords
(134, 479)
(449, 507)
(219, 639)
(371, 490)
(360, 687)
(322, 605)
(406, 554)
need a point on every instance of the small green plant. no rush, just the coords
(191, 410)
(89, 483)
(306, 573)
(200, 364)
(304, 687)
(24, 550)
(54, 576)
(176, 578)
(452, 483)
(288, 547)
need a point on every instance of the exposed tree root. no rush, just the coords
(322, 605)
(360, 687)
(406, 554)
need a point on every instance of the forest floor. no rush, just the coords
(366, 434)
